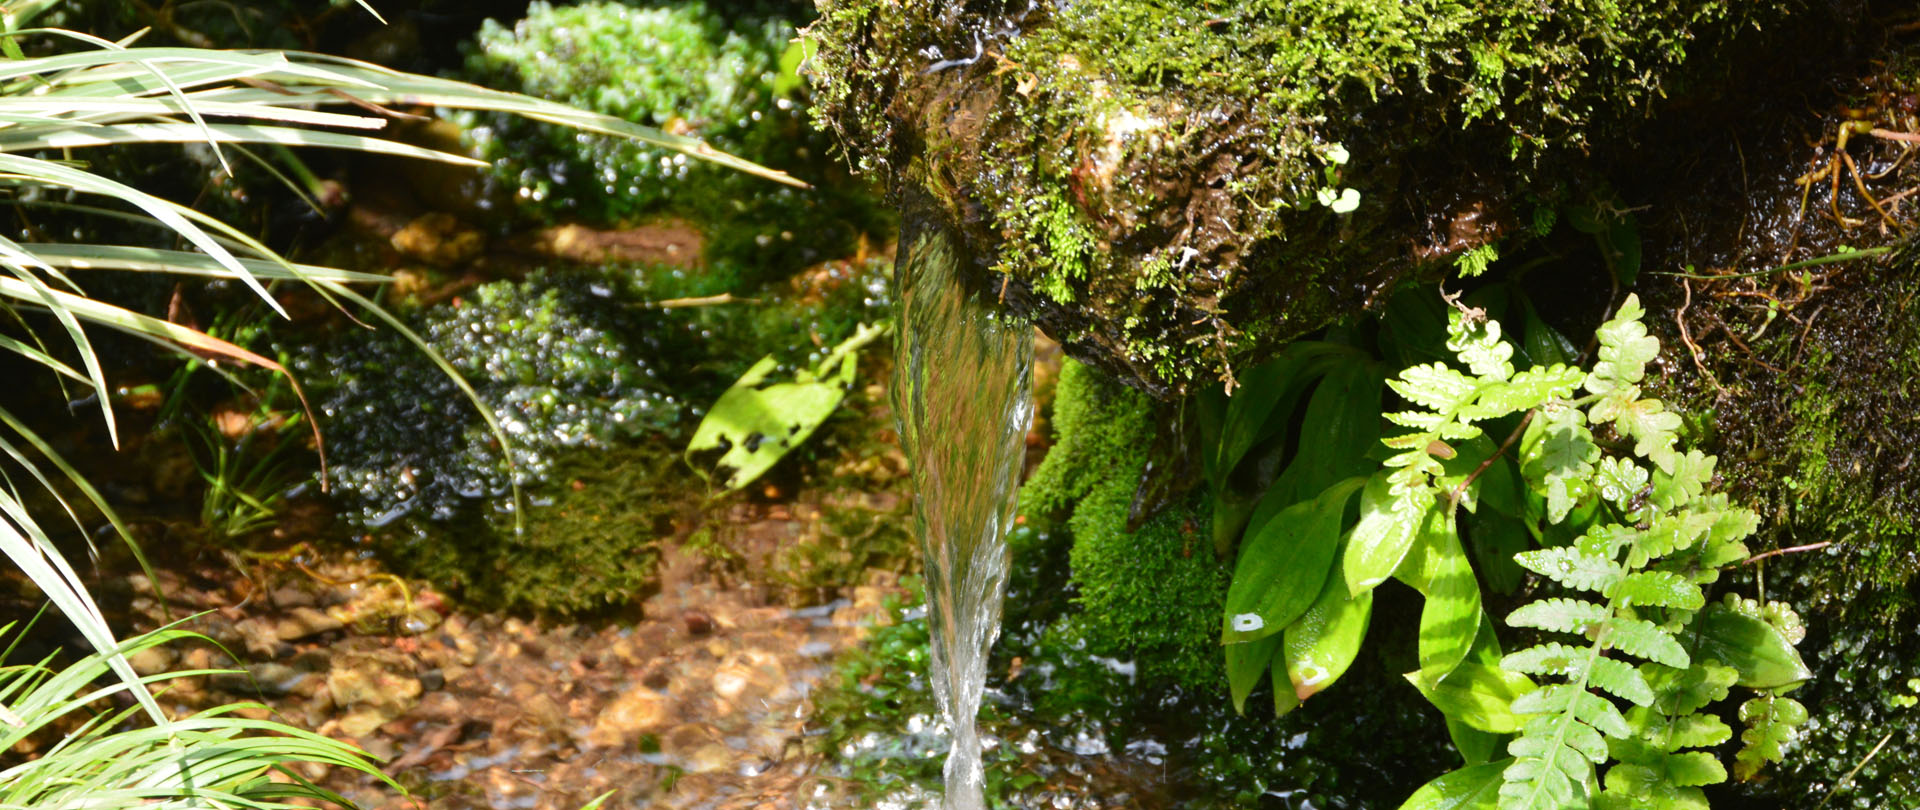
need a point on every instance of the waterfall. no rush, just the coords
(963, 398)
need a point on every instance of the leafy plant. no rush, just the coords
(756, 423)
(1629, 532)
(101, 758)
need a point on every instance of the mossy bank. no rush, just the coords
(1175, 188)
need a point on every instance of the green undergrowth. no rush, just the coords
(725, 75)
(575, 363)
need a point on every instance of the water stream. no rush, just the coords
(963, 397)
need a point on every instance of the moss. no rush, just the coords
(1155, 593)
(589, 544)
(1192, 139)
(685, 68)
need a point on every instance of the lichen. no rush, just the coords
(1153, 594)
(1190, 140)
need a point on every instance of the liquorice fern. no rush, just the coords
(1629, 651)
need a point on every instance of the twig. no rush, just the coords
(1793, 550)
(1461, 490)
(702, 301)
(1856, 769)
(1816, 261)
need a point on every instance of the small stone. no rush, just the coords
(698, 623)
(153, 660)
(302, 622)
(633, 712)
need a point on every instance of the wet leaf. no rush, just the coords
(1763, 657)
(1476, 787)
(1389, 523)
(1245, 664)
(1323, 642)
(1451, 617)
(1283, 564)
(1478, 695)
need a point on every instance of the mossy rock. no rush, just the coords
(1154, 176)
(1152, 592)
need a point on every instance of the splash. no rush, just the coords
(963, 396)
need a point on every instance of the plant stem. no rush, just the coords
(1461, 490)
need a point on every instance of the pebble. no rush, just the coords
(302, 622)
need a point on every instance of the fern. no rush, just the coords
(1629, 651)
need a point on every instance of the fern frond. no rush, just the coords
(1572, 568)
(1622, 680)
(1658, 589)
(1551, 658)
(1477, 343)
(1559, 615)
(1773, 723)
(1644, 639)
(1435, 386)
(1625, 349)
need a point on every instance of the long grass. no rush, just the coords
(100, 94)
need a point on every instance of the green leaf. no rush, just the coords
(1478, 695)
(1645, 639)
(1620, 679)
(1691, 473)
(1559, 615)
(1475, 787)
(1773, 722)
(755, 424)
(1557, 454)
(1283, 564)
(1389, 523)
(1763, 657)
(1435, 387)
(1620, 480)
(1625, 349)
(1342, 423)
(1543, 344)
(1527, 390)
(1658, 589)
(1570, 567)
(1695, 768)
(1495, 538)
(1451, 616)
(1647, 421)
(1322, 643)
(1478, 345)
(1550, 658)
(1245, 664)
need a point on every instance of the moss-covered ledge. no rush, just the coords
(1173, 187)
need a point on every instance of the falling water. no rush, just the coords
(963, 396)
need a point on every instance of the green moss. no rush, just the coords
(589, 544)
(1155, 593)
(685, 68)
(1190, 139)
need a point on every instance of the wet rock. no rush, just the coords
(634, 712)
(302, 622)
(374, 687)
(697, 622)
